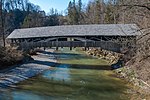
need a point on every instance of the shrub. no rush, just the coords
(9, 56)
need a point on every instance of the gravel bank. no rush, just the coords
(41, 62)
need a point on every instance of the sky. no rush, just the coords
(60, 5)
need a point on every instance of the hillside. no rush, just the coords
(141, 62)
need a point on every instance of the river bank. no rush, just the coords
(140, 89)
(18, 73)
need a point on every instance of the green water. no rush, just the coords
(75, 76)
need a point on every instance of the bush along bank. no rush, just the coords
(10, 56)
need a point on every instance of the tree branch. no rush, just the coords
(142, 6)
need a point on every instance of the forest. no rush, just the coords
(16, 14)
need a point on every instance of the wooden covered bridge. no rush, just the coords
(105, 36)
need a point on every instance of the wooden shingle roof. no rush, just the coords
(77, 30)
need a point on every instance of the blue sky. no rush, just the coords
(56, 4)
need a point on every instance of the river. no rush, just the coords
(75, 76)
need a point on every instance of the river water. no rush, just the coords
(75, 76)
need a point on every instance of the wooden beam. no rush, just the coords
(70, 43)
(57, 44)
(108, 45)
(85, 44)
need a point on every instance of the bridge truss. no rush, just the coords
(108, 43)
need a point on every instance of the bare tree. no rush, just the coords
(134, 11)
(2, 21)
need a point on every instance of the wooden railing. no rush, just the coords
(102, 44)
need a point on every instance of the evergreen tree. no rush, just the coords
(76, 16)
(27, 22)
(80, 11)
(80, 5)
(70, 12)
(53, 18)
(73, 13)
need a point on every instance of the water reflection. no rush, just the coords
(61, 73)
(70, 79)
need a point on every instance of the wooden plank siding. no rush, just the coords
(107, 45)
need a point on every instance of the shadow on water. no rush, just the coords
(63, 56)
(76, 66)
(60, 54)
(71, 56)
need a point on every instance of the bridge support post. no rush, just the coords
(57, 48)
(57, 44)
(85, 48)
(70, 48)
(70, 43)
(85, 45)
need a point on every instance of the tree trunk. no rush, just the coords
(2, 22)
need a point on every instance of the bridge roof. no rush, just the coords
(77, 30)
